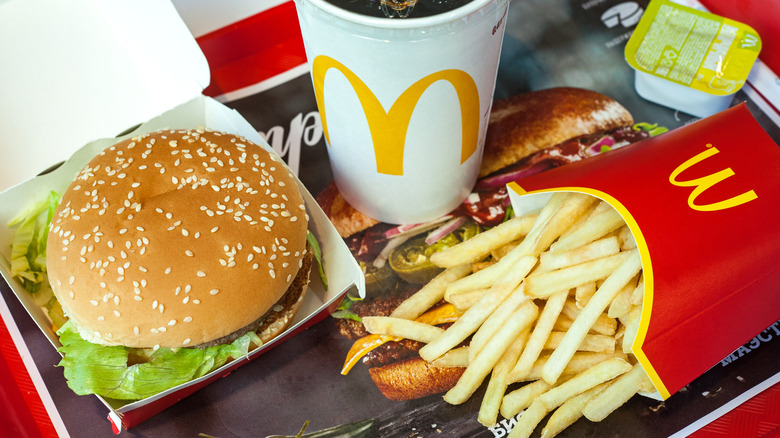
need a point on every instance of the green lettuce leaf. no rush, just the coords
(315, 246)
(109, 371)
(28, 249)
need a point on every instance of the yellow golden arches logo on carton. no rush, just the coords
(388, 128)
(706, 182)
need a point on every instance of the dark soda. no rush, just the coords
(399, 8)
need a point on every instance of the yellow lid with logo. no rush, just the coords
(696, 49)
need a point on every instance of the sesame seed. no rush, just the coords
(172, 322)
(186, 341)
(214, 291)
(201, 274)
(187, 319)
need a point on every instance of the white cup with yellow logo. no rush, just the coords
(404, 103)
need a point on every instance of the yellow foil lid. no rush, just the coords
(696, 49)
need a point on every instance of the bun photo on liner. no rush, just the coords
(170, 254)
(527, 134)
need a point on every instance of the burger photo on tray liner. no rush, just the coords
(170, 254)
(527, 134)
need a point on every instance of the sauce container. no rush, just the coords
(690, 60)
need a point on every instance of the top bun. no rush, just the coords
(175, 238)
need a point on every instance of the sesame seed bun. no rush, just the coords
(178, 238)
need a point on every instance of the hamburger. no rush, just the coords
(170, 254)
(527, 134)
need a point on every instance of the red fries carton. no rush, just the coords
(699, 201)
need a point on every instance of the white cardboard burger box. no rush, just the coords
(169, 98)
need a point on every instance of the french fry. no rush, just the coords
(490, 275)
(595, 375)
(455, 358)
(487, 277)
(521, 398)
(626, 238)
(575, 206)
(597, 208)
(541, 332)
(591, 342)
(619, 334)
(588, 316)
(497, 385)
(583, 292)
(579, 362)
(472, 318)
(495, 321)
(597, 226)
(603, 325)
(479, 246)
(632, 327)
(484, 362)
(403, 328)
(646, 386)
(429, 294)
(617, 393)
(544, 284)
(564, 323)
(464, 300)
(569, 412)
(639, 292)
(595, 250)
(528, 421)
(622, 302)
(499, 253)
(478, 266)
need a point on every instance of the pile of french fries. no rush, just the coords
(552, 300)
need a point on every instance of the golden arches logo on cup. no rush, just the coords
(389, 128)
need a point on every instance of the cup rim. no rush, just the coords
(400, 23)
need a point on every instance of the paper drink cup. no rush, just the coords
(404, 103)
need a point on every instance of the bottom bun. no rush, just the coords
(280, 315)
(413, 378)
